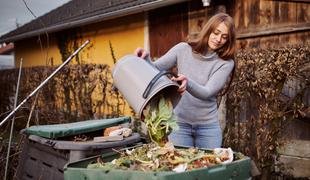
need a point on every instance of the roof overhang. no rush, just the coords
(93, 19)
(6, 49)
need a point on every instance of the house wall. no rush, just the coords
(259, 23)
(6, 62)
(264, 24)
(125, 34)
(167, 27)
(33, 55)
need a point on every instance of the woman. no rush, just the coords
(204, 65)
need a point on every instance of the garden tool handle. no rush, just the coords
(154, 80)
(44, 82)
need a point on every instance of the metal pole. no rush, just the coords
(44, 82)
(13, 119)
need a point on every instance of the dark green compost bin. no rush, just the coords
(47, 148)
(64, 130)
(237, 170)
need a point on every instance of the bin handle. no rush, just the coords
(50, 143)
(154, 80)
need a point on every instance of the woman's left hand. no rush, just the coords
(183, 79)
(142, 53)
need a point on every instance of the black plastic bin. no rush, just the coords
(44, 158)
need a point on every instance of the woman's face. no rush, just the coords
(218, 37)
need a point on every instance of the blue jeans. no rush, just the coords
(198, 135)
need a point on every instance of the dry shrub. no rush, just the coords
(77, 92)
(271, 88)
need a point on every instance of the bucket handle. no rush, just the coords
(153, 81)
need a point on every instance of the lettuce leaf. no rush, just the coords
(160, 120)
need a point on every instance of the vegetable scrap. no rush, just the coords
(160, 120)
(154, 158)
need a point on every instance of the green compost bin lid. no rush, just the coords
(68, 129)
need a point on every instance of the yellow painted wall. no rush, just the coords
(33, 55)
(125, 34)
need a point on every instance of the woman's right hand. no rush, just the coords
(142, 53)
(183, 79)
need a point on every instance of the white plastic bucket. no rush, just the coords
(139, 82)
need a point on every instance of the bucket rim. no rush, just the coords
(154, 94)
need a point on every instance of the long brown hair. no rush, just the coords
(227, 51)
(200, 44)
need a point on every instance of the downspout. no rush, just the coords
(146, 32)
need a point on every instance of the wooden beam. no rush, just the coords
(273, 31)
(295, 158)
(299, 1)
(296, 147)
(294, 166)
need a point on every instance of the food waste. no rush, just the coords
(159, 120)
(153, 158)
(161, 155)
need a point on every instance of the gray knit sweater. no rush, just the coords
(206, 75)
